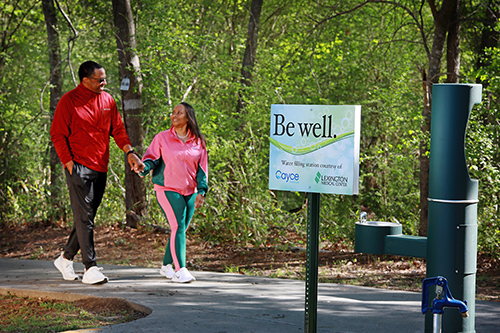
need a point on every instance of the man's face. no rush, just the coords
(97, 81)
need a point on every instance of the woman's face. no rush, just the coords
(179, 116)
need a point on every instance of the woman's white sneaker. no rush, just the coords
(65, 266)
(94, 276)
(183, 276)
(167, 271)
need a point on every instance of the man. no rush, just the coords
(84, 120)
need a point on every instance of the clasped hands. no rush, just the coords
(135, 163)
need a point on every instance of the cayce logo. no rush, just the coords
(287, 177)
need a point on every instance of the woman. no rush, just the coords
(178, 158)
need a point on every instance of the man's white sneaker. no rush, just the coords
(167, 271)
(94, 276)
(65, 266)
(183, 276)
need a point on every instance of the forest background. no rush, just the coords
(231, 60)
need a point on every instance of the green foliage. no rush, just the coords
(193, 50)
(239, 206)
(483, 157)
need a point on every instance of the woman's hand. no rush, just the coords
(200, 199)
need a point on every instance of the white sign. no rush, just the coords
(315, 148)
(125, 84)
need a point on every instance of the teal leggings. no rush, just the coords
(178, 210)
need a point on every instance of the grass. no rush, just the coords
(25, 314)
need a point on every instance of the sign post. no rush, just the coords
(311, 307)
(314, 149)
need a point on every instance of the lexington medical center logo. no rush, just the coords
(331, 180)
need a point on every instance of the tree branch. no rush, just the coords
(188, 90)
(434, 11)
(6, 40)
(323, 21)
(118, 181)
(70, 40)
(417, 19)
(167, 90)
(68, 58)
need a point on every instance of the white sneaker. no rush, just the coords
(167, 271)
(183, 276)
(65, 266)
(94, 276)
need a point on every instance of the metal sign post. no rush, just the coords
(314, 149)
(312, 263)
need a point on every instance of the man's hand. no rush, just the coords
(69, 166)
(133, 160)
(140, 168)
(135, 163)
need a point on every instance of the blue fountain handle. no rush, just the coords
(439, 303)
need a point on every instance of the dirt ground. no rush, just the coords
(145, 246)
(25, 314)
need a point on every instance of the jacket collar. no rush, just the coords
(174, 135)
(86, 92)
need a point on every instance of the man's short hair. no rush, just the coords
(87, 69)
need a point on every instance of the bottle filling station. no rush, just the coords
(450, 247)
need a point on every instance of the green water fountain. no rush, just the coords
(451, 243)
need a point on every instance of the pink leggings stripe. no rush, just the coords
(169, 212)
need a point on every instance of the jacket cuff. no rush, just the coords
(148, 165)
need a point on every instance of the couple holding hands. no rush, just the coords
(83, 122)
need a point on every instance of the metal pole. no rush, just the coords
(312, 263)
(437, 323)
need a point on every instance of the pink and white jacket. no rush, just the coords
(177, 166)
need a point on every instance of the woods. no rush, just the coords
(231, 60)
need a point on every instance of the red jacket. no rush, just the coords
(82, 125)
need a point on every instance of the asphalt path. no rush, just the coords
(219, 302)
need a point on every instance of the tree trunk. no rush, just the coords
(445, 20)
(56, 82)
(453, 45)
(250, 50)
(130, 69)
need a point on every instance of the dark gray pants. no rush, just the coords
(86, 189)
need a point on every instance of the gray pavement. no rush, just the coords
(219, 302)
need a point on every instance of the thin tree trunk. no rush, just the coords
(130, 69)
(453, 45)
(250, 50)
(56, 82)
(436, 56)
(442, 17)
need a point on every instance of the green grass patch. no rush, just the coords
(25, 314)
